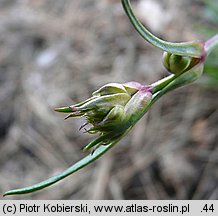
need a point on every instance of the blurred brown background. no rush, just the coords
(57, 52)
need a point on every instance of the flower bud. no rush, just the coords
(112, 110)
(178, 64)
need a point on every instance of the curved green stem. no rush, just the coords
(211, 44)
(192, 49)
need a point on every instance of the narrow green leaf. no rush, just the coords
(74, 168)
(97, 141)
(192, 49)
(64, 109)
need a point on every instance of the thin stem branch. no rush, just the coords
(176, 82)
(160, 84)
